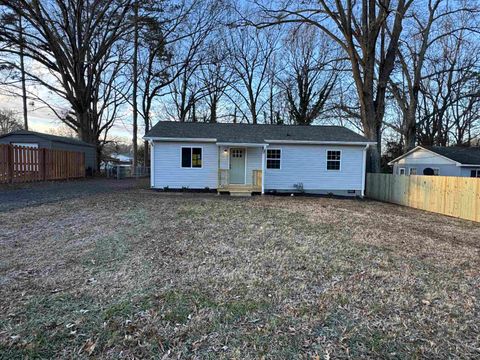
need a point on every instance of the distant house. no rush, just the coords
(116, 160)
(248, 158)
(47, 141)
(123, 159)
(439, 160)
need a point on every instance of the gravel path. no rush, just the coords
(23, 195)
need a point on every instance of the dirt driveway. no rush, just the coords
(22, 195)
(141, 274)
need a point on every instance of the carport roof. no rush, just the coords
(62, 139)
(256, 134)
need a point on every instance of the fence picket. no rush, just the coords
(453, 196)
(24, 164)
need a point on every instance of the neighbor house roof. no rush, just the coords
(461, 155)
(62, 139)
(256, 134)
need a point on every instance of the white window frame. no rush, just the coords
(191, 157)
(267, 158)
(400, 170)
(410, 171)
(477, 173)
(326, 160)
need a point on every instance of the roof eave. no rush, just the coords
(178, 139)
(316, 142)
(426, 149)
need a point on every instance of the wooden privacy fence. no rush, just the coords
(25, 164)
(453, 196)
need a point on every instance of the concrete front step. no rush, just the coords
(241, 193)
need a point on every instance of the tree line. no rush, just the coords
(401, 72)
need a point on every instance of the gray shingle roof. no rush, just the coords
(463, 155)
(247, 133)
(62, 139)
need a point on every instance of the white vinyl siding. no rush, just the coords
(307, 164)
(169, 172)
(254, 162)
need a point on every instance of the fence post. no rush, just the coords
(10, 163)
(41, 164)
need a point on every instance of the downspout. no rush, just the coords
(264, 148)
(364, 170)
(152, 164)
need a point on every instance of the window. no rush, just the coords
(413, 171)
(237, 153)
(401, 171)
(436, 172)
(28, 145)
(333, 159)
(274, 158)
(191, 157)
(475, 173)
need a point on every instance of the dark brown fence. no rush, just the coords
(25, 164)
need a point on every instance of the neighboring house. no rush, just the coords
(47, 141)
(439, 160)
(258, 158)
(116, 160)
(123, 159)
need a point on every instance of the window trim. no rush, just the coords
(477, 173)
(191, 156)
(266, 159)
(400, 171)
(410, 171)
(326, 160)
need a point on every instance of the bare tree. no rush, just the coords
(250, 54)
(310, 75)
(77, 42)
(450, 94)
(427, 25)
(8, 122)
(359, 28)
(189, 55)
(216, 77)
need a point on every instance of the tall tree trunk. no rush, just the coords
(22, 71)
(135, 86)
(410, 127)
(213, 110)
(146, 149)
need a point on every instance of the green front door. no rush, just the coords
(237, 166)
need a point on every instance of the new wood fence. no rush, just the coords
(453, 196)
(25, 164)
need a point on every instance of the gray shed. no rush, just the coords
(47, 141)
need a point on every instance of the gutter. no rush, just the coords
(179, 139)
(313, 142)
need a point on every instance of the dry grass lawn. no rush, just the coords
(139, 274)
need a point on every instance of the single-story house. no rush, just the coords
(439, 160)
(47, 141)
(258, 158)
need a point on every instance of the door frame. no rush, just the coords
(245, 162)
